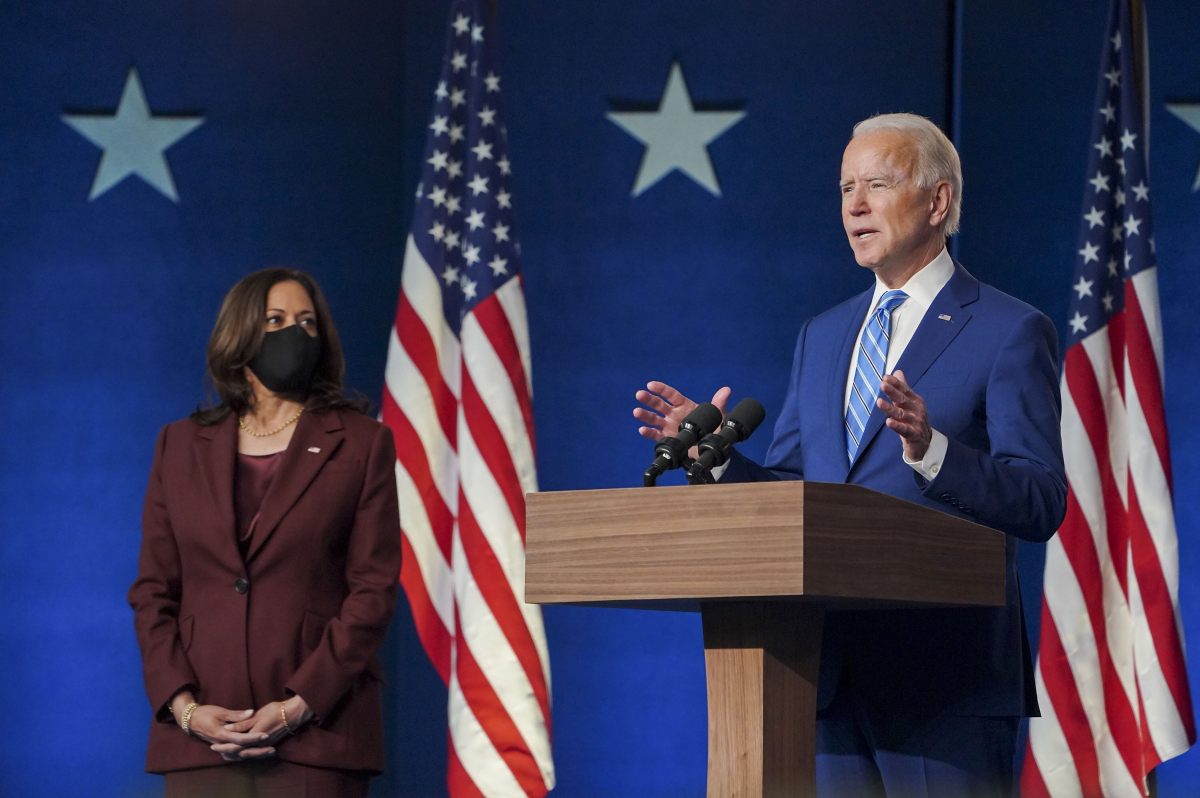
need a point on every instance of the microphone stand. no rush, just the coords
(650, 478)
(699, 474)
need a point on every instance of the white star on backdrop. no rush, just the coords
(133, 140)
(1190, 114)
(676, 136)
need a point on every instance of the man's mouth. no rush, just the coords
(864, 234)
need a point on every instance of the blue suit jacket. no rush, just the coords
(986, 365)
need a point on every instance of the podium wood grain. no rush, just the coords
(777, 539)
(763, 563)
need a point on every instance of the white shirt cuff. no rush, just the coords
(931, 464)
(719, 471)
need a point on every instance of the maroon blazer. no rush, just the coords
(304, 612)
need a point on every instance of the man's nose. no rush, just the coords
(856, 202)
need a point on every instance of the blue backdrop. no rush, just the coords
(314, 118)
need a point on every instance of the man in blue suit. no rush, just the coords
(917, 702)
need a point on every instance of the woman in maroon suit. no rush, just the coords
(269, 558)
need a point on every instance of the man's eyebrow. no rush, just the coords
(866, 178)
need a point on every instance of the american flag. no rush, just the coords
(458, 399)
(1111, 677)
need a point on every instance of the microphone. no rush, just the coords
(737, 427)
(671, 452)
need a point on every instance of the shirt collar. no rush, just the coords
(923, 286)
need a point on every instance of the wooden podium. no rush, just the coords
(763, 563)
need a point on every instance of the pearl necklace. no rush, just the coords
(246, 427)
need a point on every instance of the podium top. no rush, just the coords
(672, 547)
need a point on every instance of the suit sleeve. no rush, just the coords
(154, 597)
(351, 639)
(1019, 485)
(784, 459)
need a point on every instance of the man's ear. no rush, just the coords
(939, 202)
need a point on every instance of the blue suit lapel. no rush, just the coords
(943, 321)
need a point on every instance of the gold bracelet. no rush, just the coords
(283, 714)
(186, 720)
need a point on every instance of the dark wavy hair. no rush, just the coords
(237, 336)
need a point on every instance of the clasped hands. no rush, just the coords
(903, 408)
(242, 734)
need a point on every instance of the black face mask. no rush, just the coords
(286, 360)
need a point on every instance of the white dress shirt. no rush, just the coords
(921, 288)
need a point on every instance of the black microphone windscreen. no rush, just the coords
(749, 413)
(705, 418)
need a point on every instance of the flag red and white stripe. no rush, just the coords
(1111, 676)
(458, 400)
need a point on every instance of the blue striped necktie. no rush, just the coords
(868, 368)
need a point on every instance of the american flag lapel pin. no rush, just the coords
(315, 449)
(943, 317)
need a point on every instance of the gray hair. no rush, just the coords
(937, 159)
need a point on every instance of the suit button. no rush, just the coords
(241, 585)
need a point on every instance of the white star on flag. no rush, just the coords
(482, 150)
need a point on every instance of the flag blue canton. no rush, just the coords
(463, 224)
(1116, 238)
